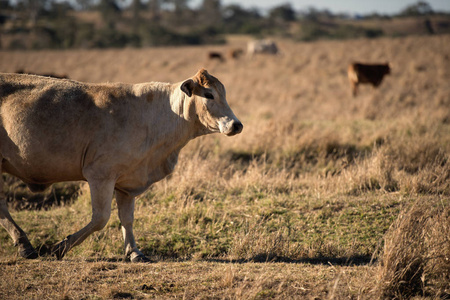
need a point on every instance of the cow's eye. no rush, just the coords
(209, 96)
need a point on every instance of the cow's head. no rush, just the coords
(388, 67)
(208, 103)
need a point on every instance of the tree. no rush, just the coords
(211, 12)
(239, 20)
(155, 8)
(109, 11)
(35, 8)
(178, 5)
(284, 12)
(136, 7)
(419, 9)
(85, 4)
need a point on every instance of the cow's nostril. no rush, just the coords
(237, 127)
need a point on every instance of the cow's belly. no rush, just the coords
(41, 159)
(140, 180)
(43, 171)
(137, 180)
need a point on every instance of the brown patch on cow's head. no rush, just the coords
(206, 80)
(203, 78)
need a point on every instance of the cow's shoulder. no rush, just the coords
(109, 93)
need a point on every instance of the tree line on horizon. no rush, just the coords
(41, 24)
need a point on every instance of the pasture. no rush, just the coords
(309, 201)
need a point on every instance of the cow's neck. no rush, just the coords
(170, 129)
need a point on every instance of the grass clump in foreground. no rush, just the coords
(416, 256)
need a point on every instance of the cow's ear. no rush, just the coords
(188, 87)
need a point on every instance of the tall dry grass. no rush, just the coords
(416, 256)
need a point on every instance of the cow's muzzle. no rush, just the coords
(234, 128)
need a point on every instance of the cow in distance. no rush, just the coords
(262, 47)
(214, 55)
(235, 53)
(359, 73)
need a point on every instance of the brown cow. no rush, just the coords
(366, 73)
(235, 53)
(118, 137)
(216, 55)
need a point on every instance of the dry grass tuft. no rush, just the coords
(410, 160)
(257, 245)
(416, 258)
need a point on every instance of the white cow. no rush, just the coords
(117, 137)
(262, 47)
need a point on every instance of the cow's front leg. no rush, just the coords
(101, 197)
(125, 204)
(354, 86)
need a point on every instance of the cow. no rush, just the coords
(118, 137)
(216, 55)
(262, 47)
(366, 73)
(235, 53)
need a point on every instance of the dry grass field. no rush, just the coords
(322, 196)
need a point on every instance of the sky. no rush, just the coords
(341, 6)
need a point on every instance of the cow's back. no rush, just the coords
(47, 125)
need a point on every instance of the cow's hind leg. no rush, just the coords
(125, 204)
(101, 197)
(17, 234)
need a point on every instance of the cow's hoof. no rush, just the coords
(139, 257)
(25, 249)
(60, 249)
(28, 252)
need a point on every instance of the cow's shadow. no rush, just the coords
(357, 260)
(45, 251)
